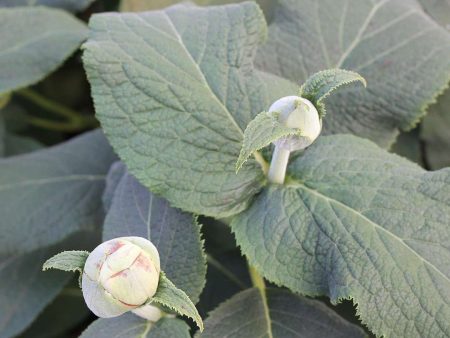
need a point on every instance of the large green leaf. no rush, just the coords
(354, 221)
(34, 42)
(288, 315)
(436, 133)
(131, 326)
(174, 96)
(70, 5)
(26, 290)
(439, 10)
(49, 194)
(134, 211)
(393, 44)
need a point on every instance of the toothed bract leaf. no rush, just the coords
(264, 129)
(169, 296)
(174, 101)
(319, 85)
(73, 260)
(356, 222)
(246, 315)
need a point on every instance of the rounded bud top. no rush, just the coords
(120, 275)
(299, 113)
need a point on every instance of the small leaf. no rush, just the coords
(67, 261)
(170, 296)
(321, 84)
(260, 132)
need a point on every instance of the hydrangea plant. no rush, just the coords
(238, 178)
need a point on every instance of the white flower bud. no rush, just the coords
(297, 112)
(120, 275)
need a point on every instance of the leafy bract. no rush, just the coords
(260, 132)
(169, 296)
(288, 315)
(50, 194)
(67, 261)
(393, 44)
(321, 84)
(174, 96)
(354, 221)
(134, 211)
(435, 133)
(132, 326)
(34, 42)
(70, 5)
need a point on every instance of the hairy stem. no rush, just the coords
(278, 165)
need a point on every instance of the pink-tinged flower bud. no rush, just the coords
(120, 275)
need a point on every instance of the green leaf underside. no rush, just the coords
(439, 10)
(169, 296)
(132, 326)
(36, 44)
(357, 222)
(289, 315)
(323, 83)
(134, 211)
(174, 101)
(70, 5)
(47, 195)
(435, 133)
(67, 261)
(393, 44)
(260, 132)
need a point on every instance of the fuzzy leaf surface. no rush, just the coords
(169, 296)
(67, 261)
(174, 96)
(288, 315)
(132, 326)
(260, 132)
(320, 85)
(354, 221)
(134, 211)
(393, 44)
(34, 42)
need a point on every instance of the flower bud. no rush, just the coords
(297, 112)
(120, 275)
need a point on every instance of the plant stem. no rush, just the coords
(74, 121)
(257, 279)
(227, 273)
(278, 165)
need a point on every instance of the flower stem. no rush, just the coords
(257, 279)
(278, 165)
